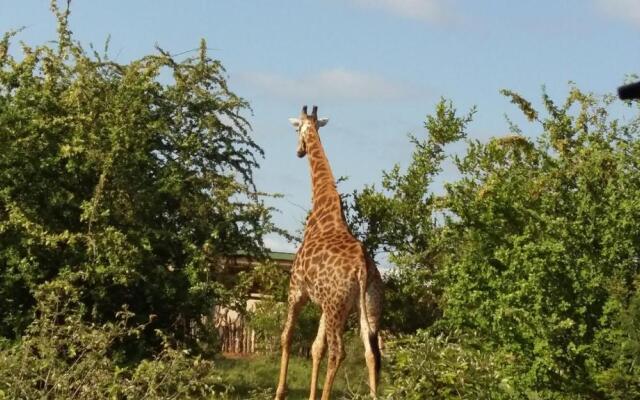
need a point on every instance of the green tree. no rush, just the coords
(404, 220)
(547, 244)
(131, 180)
(534, 251)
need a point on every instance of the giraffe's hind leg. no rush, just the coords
(317, 352)
(334, 329)
(296, 300)
(369, 326)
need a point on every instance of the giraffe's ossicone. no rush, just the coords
(332, 269)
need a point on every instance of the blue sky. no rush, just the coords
(374, 67)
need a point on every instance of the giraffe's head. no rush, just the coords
(306, 126)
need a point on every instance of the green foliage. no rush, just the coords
(132, 181)
(403, 220)
(401, 217)
(535, 249)
(267, 321)
(62, 357)
(441, 367)
(547, 250)
(618, 349)
(410, 300)
(269, 315)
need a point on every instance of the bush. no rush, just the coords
(132, 180)
(535, 248)
(423, 366)
(618, 349)
(410, 300)
(62, 357)
(546, 250)
(267, 321)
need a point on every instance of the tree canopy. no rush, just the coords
(535, 248)
(130, 180)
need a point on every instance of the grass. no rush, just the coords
(259, 374)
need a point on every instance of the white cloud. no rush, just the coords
(628, 10)
(332, 84)
(433, 11)
(275, 242)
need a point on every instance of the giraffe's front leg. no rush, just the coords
(296, 301)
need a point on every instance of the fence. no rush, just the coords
(234, 334)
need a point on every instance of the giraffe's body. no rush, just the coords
(333, 270)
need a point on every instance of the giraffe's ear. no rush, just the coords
(295, 122)
(322, 121)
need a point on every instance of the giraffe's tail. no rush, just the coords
(372, 335)
(375, 349)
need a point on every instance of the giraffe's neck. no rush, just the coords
(325, 197)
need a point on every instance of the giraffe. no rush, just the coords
(332, 269)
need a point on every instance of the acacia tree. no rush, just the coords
(535, 259)
(131, 180)
(549, 247)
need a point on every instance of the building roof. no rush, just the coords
(273, 255)
(280, 255)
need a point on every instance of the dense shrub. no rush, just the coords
(133, 180)
(63, 357)
(267, 321)
(535, 248)
(548, 244)
(422, 366)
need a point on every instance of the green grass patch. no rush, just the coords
(259, 374)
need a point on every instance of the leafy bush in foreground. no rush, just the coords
(423, 366)
(62, 357)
